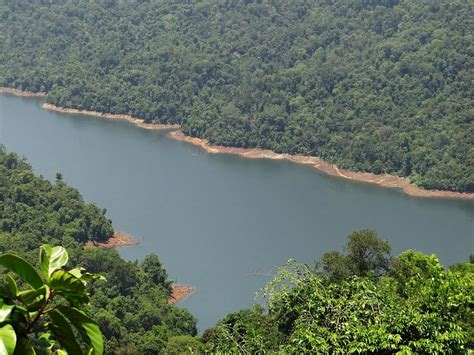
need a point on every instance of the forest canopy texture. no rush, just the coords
(370, 85)
(131, 307)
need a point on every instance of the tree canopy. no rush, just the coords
(131, 309)
(377, 86)
(414, 305)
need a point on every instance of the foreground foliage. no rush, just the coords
(49, 311)
(416, 306)
(378, 86)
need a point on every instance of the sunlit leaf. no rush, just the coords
(5, 311)
(34, 299)
(7, 340)
(86, 276)
(86, 326)
(22, 268)
(68, 286)
(61, 328)
(52, 258)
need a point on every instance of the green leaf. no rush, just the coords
(86, 276)
(7, 340)
(4, 291)
(34, 299)
(24, 347)
(19, 316)
(86, 326)
(11, 285)
(22, 268)
(64, 333)
(5, 311)
(68, 286)
(52, 259)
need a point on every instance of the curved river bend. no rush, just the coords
(221, 222)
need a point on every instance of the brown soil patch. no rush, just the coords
(136, 121)
(118, 239)
(384, 180)
(179, 293)
(17, 92)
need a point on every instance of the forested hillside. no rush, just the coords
(370, 85)
(131, 307)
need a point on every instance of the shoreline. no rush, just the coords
(136, 121)
(179, 293)
(385, 180)
(118, 239)
(17, 92)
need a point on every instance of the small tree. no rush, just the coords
(46, 310)
(366, 255)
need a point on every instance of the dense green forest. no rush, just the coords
(131, 307)
(370, 85)
(359, 300)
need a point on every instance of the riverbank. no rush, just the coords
(136, 121)
(16, 92)
(179, 293)
(385, 180)
(118, 239)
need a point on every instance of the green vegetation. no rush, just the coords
(359, 300)
(38, 311)
(377, 85)
(34, 211)
(413, 306)
(131, 308)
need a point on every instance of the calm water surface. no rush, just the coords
(220, 222)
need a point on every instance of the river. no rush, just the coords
(221, 223)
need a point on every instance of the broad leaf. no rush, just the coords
(52, 259)
(19, 315)
(7, 340)
(5, 311)
(86, 326)
(22, 268)
(11, 285)
(86, 276)
(24, 347)
(68, 286)
(64, 333)
(34, 299)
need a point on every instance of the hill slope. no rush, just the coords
(378, 85)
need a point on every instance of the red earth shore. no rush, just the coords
(118, 239)
(121, 239)
(179, 293)
(383, 180)
(136, 121)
